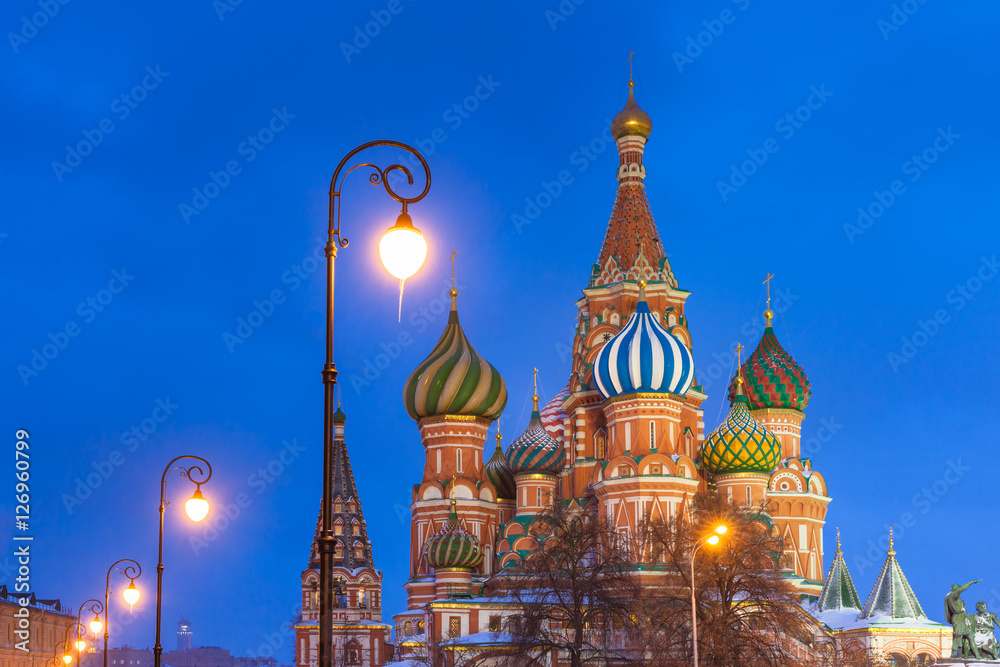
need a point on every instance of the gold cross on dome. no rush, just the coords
(767, 281)
(631, 54)
(453, 253)
(453, 486)
(534, 376)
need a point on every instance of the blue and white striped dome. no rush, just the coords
(643, 357)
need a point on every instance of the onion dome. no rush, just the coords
(773, 378)
(339, 417)
(553, 413)
(453, 546)
(498, 472)
(631, 120)
(535, 451)
(643, 357)
(454, 379)
(740, 444)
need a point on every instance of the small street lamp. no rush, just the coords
(711, 539)
(402, 250)
(130, 594)
(95, 607)
(196, 508)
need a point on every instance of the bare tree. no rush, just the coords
(575, 592)
(748, 615)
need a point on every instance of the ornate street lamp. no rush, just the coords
(402, 250)
(95, 607)
(130, 594)
(196, 508)
(711, 539)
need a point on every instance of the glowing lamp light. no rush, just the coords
(96, 626)
(80, 645)
(67, 659)
(402, 248)
(131, 594)
(713, 540)
(196, 506)
(721, 529)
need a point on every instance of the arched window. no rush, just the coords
(458, 460)
(439, 460)
(538, 496)
(408, 629)
(652, 434)
(749, 501)
(628, 437)
(338, 507)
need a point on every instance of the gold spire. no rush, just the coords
(838, 539)
(739, 369)
(453, 292)
(768, 314)
(534, 397)
(498, 436)
(642, 290)
(892, 548)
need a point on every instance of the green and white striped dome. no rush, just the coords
(453, 546)
(454, 379)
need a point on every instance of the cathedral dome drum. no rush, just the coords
(741, 443)
(643, 357)
(454, 379)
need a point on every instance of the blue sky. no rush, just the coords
(892, 111)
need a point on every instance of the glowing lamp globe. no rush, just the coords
(96, 626)
(196, 506)
(67, 658)
(80, 645)
(131, 594)
(713, 540)
(402, 248)
(721, 529)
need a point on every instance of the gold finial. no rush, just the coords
(739, 369)
(768, 314)
(498, 436)
(892, 547)
(631, 54)
(838, 539)
(453, 487)
(534, 397)
(453, 292)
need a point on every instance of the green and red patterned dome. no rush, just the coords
(453, 546)
(773, 378)
(454, 379)
(499, 474)
(741, 443)
(535, 451)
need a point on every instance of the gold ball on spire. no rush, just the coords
(768, 314)
(642, 283)
(453, 292)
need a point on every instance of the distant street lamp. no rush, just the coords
(130, 594)
(402, 250)
(711, 539)
(196, 508)
(95, 607)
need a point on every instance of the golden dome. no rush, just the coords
(631, 119)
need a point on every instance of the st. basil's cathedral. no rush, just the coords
(624, 441)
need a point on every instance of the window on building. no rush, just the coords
(338, 529)
(455, 626)
(353, 656)
(602, 446)
(749, 501)
(494, 624)
(628, 437)
(652, 434)
(338, 507)
(458, 460)
(357, 529)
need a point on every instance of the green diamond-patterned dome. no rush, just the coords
(773, 378)
(740, 444)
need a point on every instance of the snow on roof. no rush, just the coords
(481, 639)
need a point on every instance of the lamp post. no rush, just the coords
(196, 508)
(96, 607)
(711, 539)
(131, 594)
(402, 250)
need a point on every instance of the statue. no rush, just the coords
(985, 640)
(964, 626)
